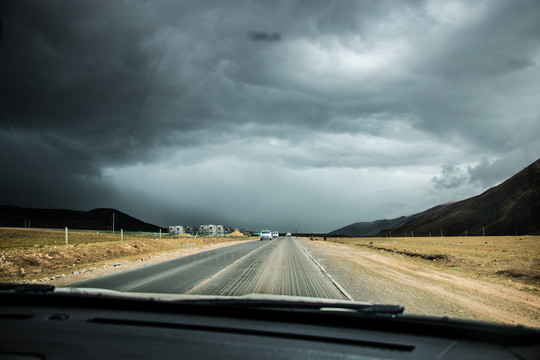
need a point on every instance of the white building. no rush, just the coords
(220, 230)
(176, 229)
(211, 230)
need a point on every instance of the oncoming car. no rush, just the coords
(275, 234)
(266, 234)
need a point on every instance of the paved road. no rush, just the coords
(281, 267)
(173, 276)
(278, 267)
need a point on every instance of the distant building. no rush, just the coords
(220, 230)
(207, 230)
(203, 230)
(212, 230)
(192, 230)
(176, 229)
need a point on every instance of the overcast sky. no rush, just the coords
(288, 115)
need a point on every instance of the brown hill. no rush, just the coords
(372, 228)
(96, 219)
(511, 208)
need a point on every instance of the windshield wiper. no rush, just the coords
(26, 289)
(377, 309)
(287, 304)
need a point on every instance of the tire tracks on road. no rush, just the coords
(281, 267)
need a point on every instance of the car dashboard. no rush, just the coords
(45, 326)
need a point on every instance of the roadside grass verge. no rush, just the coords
(20, 237)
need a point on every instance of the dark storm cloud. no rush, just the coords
(263, 36)
(92, 90)
(463, 77)
(493, 45)
(40, 176)
(59, 73)
(489, 173)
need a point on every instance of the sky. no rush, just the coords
(289, 115)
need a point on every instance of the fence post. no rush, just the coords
(121, 234)
(160, 233)
(66, 235)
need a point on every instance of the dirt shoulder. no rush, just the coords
(379, 276)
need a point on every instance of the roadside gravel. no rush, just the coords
(368, 275)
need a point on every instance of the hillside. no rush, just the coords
(511, 208)
(372, 228)
(96, 219)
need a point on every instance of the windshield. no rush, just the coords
(145, 143)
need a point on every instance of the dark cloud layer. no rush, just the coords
(262, 36)
(320, 104)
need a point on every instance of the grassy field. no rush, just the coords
(31, 254)
(15, 237)
(513, 258)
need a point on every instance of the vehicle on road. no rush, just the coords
(275, 234)
(266, 235)
(288, 234)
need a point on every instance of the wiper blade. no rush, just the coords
(26, 289)
(289, 304)
(377, 309)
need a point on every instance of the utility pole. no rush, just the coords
(483, 232)
(113, 216)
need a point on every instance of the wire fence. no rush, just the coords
(32, 237)
(36, 237)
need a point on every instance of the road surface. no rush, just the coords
(278, 267)
(173, 276)
(281, 267)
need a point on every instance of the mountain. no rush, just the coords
(97, 219)
(511, 208)
(372, 228)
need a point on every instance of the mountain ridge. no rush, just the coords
(95, 219)
(371, 228)
(510, 208)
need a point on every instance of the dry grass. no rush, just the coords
(514, 258)
(13, 237)
(30, 254)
